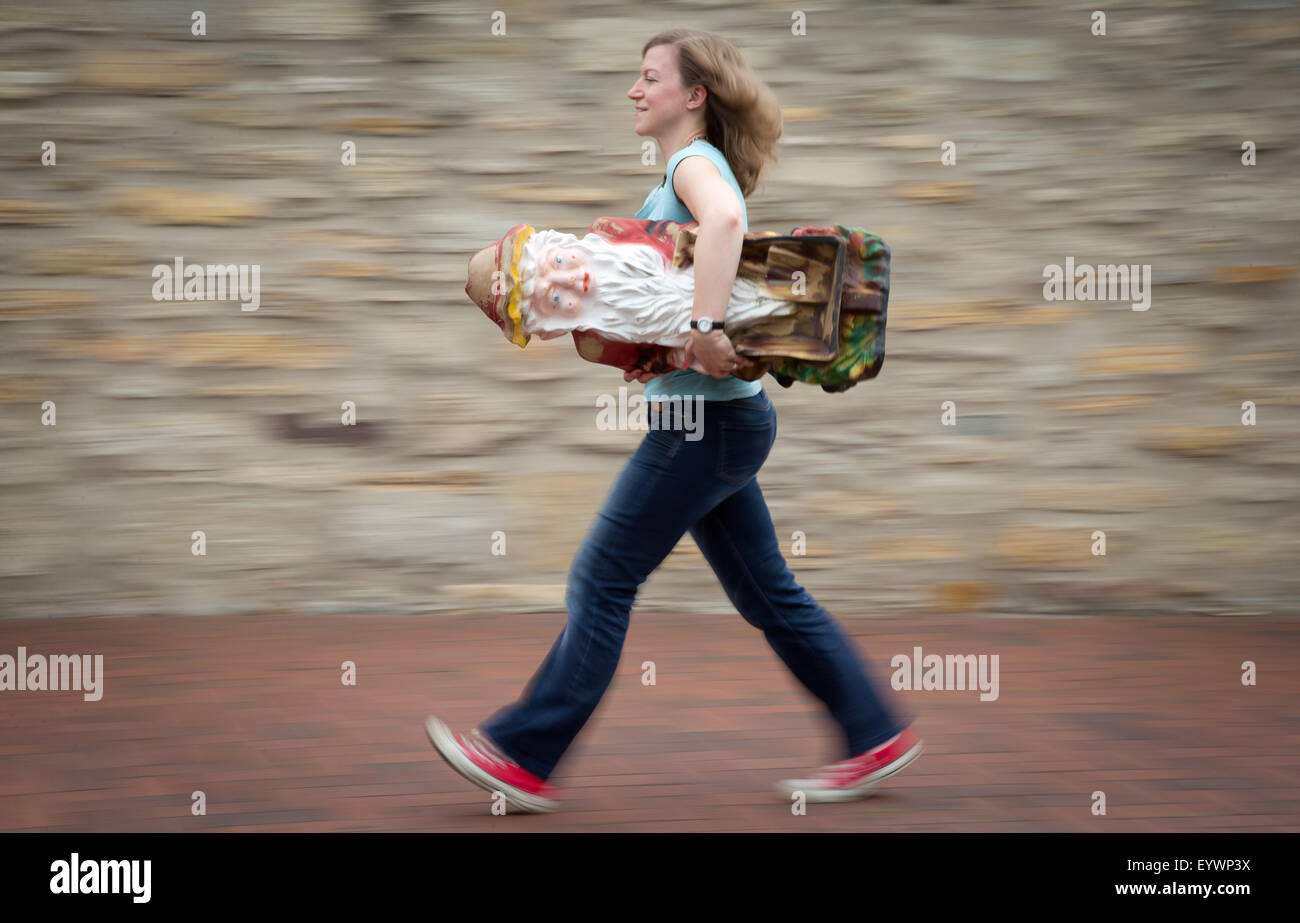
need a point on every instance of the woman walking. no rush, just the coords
(718, 124)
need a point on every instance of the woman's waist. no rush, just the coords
(688, 384)
(752, 400)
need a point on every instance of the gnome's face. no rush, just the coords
(564, 284)
(544, 282)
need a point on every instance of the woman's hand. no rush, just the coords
(713, 354)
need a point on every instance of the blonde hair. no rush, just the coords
(741, 113)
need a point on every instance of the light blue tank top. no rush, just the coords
(662, 203)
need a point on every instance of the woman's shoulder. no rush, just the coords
(703, 149)
(718, 159)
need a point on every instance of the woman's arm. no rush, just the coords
(717, 210)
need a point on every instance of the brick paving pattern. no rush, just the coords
(252, 712)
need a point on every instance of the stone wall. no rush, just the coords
(181, 416)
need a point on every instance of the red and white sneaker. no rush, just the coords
(476, 758)
(856, 777)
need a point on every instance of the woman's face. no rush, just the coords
(658, 94)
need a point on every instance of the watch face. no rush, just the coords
(704, 324)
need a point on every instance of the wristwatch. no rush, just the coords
(705, 324)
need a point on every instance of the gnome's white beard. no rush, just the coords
(638, 297)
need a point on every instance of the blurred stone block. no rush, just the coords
(961, 596)
(937, 192)
(993, 312)
(911, 548)
(1196, 440)
(343, 269)
(270, 117)
(88, 257)
(382, 125)
(1039, 547)
(24, 213)
(44, 302)
(540, 597)
(1163, 357)
(1102, 497)
(554, 194)
(1205, 130)
(447, 481)
(251, 350)
(18, 390)
(186, 206)
(850, 502)
(313, 19)
(28, 84)
(805, 114)
(155, 72)
(1104, 404)
(242, 350)
(254, 389)
(1232, 275)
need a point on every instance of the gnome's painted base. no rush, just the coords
(808, 306)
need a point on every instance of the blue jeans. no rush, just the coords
(699, 478)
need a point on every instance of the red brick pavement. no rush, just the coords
(252, 712)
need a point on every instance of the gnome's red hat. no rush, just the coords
(495, 285)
